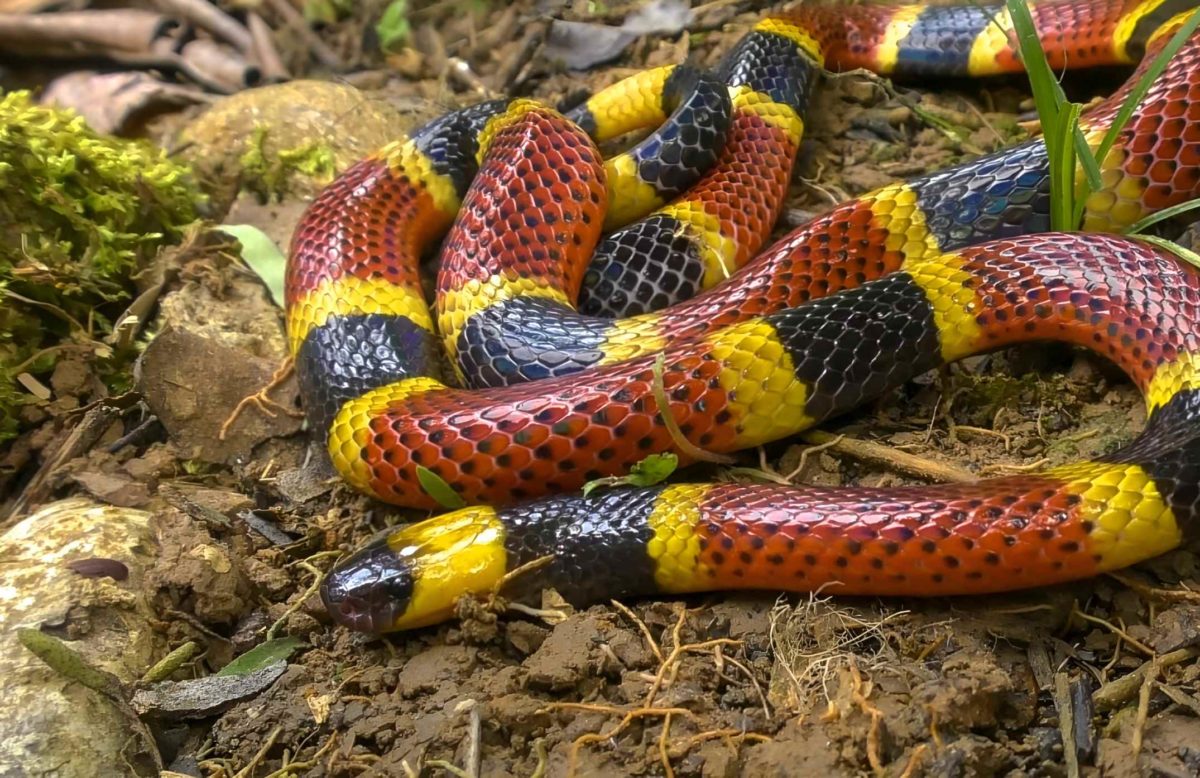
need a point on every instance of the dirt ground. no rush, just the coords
(1053, 682)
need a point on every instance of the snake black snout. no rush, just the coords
(370, 590)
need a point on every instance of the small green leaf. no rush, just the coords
(393, 28)
(320, 12)
(648, 472)
(171, 662)
(260, 656)
(610, 480)
(438, 489)
(653, 469)
(262, 255)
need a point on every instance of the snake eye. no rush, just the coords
(369, 590)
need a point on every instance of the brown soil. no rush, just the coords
(713, 685)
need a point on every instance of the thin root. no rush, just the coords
(918, 756)
(859, 696)
(668, 667)
(266, 747)
(641, 625)
(262, 401)
(1139, 645)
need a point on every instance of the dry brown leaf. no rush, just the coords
(116, 102)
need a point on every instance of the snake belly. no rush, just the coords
(752, 371)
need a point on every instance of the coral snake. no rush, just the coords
(664, 242)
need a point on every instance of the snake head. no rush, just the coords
(414, 575)
(369, 591)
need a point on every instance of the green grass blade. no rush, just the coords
(1186, 254)
(1144, 83)
(1140, 89)
(1163, 215)
(1048, 96)
(1057, 115)
(1062, 168)
(1091, 169)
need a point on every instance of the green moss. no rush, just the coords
(80, 213)
(267, 175)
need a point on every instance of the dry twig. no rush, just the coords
(265, 52)
(208, 17)
(1116, 692)
(295, 20)
(83, 33)
(900, 461)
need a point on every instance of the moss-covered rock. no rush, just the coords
(289, 138)
(80, 213)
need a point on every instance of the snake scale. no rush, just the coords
(564, 277)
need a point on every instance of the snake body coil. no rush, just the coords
(868, 295)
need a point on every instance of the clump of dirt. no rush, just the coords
(248, 520)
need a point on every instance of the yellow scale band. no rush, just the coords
(452, 555)
(630, 104)
(798, 35)
(350, 295)
(675, 547)
(718, 251)
(1131, 520)
(888, 52)
(515, 111)
(629, 197)
(1128, 24)
(633, 337)
(1172, 378)
(1118, 203)
(778, 115)
(456, 306)
(350, 431)
(954, 303)
(939, 275)
(992, 39)
(766, 398)
(895, 206)
(404, 158)
(1170, 27)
